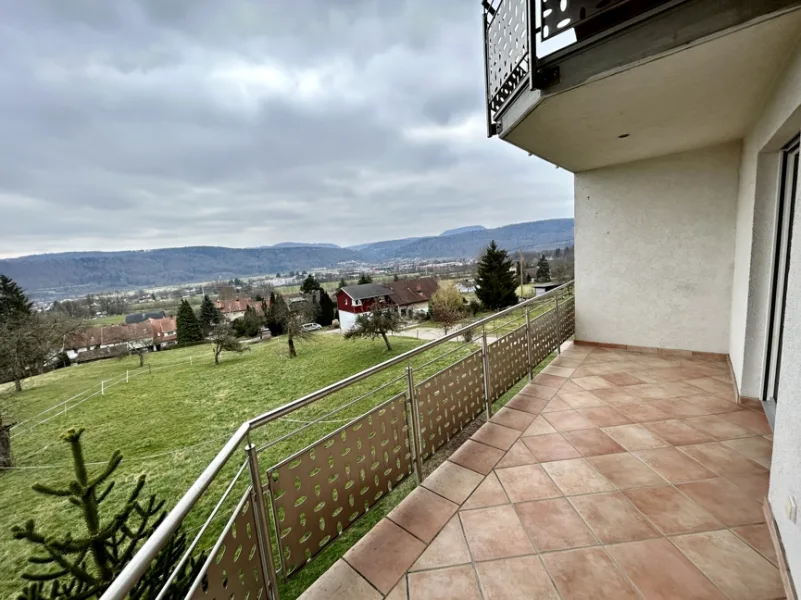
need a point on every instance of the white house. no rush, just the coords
(680, 121)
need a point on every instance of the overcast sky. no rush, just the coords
(149, 123)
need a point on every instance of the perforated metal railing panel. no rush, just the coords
(567, 319)
(508, 362)
(234, 571)
(448, 401)
(320, 491)
(507, 50)
(544, 336)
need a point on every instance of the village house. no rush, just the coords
(165, 332)
(409, 296)
(108, 341)
(235, 309)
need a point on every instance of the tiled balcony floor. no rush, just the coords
(614, 474)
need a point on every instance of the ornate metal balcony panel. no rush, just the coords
(448, 401)
(561, 15)
(508, 362)
(322, 490)
(234, 569)
(507, 51)
(544, 336)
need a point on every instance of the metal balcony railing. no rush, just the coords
(512, 29)
(359, 437)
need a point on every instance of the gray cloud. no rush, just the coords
(144, 123)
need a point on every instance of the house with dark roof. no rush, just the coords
(412, 295)
(144, 316)
(354, 300)
(409, 296)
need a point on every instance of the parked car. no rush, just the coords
(311, 326)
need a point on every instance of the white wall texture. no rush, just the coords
(655, 250)
(776, 124)
(346, 321)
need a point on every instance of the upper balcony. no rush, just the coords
(586, 84)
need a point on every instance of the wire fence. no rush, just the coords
(60, 408)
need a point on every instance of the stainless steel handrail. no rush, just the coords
(130, 575)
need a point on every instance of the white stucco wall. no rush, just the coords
(785, 476)
(776, 124)
(346, 321)
(655, 250)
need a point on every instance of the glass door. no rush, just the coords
(781, 265)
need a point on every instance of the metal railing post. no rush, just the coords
(416, 437)
(262, 527)
(485, 365)
(558, 328)
(528, 344)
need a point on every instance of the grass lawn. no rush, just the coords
(195, 407)
(172, 417)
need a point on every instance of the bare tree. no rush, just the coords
(381, 320)
(30, 342)
(292, 317)
(447, 307)
(224, 340)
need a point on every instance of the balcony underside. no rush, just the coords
(639, 463)
(700, 94)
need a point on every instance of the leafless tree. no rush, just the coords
(381, 319)
(292, 317)
(224, 340)
(29, 342)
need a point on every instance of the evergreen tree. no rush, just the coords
(82, 565)
(13, 300)
(309, 285)
(252, 322)
(395, 277)
(209, 314)
(365, 278)
(187, 324)
(543, 270)
(495, 279)
(325, 316)
(274, 311)
(342, 283)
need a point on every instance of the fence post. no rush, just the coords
(417, 445)
(558, 328)
(528, 344)
(102, 387)
(486, 367)
(126, 375)
(190, 360)
(262, 528)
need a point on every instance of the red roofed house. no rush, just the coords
(165, 332)
(234, 309)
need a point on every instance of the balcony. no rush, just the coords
(613, 474)
(630, 459)
(586, 87)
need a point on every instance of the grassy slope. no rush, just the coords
(179, 405)
(197, 405)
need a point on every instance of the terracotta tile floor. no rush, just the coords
(614, 474)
